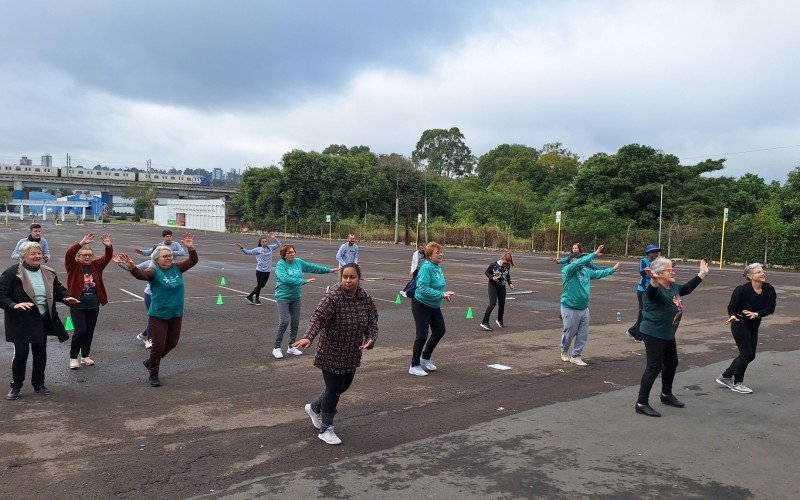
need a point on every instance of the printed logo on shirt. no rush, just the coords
(89, 285)
(679, 307)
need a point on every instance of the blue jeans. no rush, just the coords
(576, 326)
(287, 311)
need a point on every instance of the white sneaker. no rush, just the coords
(316, 418)
(725, 382)
(294, 351)
(564, 355)
(741, 388)
(74, 364)
(141, 337)
(86, 360)
(403, 293)
(418, 371)
(277, 353)
(148, 344)
(576, 360)
(329, 436)
(427, 364)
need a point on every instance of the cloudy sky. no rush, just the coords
(239, 83)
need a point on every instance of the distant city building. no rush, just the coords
(217, 175)
(25, 161)
(47, 161)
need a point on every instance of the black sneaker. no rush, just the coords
(486, 327)
(41, 389)
(499, 323)
(257, 302)
(250, 300)
(13, 394)
(154, 382)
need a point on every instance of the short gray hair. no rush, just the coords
(659, 264)
(157, 251)
(26, 247)
(750, 269)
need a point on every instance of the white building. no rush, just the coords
(208, 215)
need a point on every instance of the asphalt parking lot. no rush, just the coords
(228, 412)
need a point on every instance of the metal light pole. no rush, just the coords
(397, 209)
(660, 212)
(426, 204)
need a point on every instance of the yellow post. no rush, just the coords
(722, 243)
(558, 239)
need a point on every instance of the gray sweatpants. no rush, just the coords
(576, 326)
(289, 312)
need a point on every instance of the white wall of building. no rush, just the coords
(208, 215)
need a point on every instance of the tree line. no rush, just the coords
(614, 198)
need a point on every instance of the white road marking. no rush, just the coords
(244, 293)
(131, 293)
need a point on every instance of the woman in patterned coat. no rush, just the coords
(346, 321)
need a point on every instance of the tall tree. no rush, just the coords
(516, 160)
(342, 150)
(444, 153)
(144, 195)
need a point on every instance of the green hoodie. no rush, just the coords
(575, 279)
(289, 278)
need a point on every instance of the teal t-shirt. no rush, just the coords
(166, 287)
(430, 285)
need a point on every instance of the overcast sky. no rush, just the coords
(239, 83)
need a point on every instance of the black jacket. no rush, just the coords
(30, 326)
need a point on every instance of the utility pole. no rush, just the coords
(396, 208)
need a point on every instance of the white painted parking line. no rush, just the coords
(244, 293)
(131, 293)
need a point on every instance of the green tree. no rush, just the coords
(259, 197)
(342, 150)
(444, 153)
(516, 160)
(144, 195)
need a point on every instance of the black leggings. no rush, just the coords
(425, 317)
(635, 328)
(497, 294)
(85, 321)
(261, 282)
(21, 350)
(662, 357)
(746, 336)
(336, 384)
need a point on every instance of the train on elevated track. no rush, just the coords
(107, 175)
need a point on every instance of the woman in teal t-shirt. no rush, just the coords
(288, 282)
(426, 308)
(662, 310)
(166, 308)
